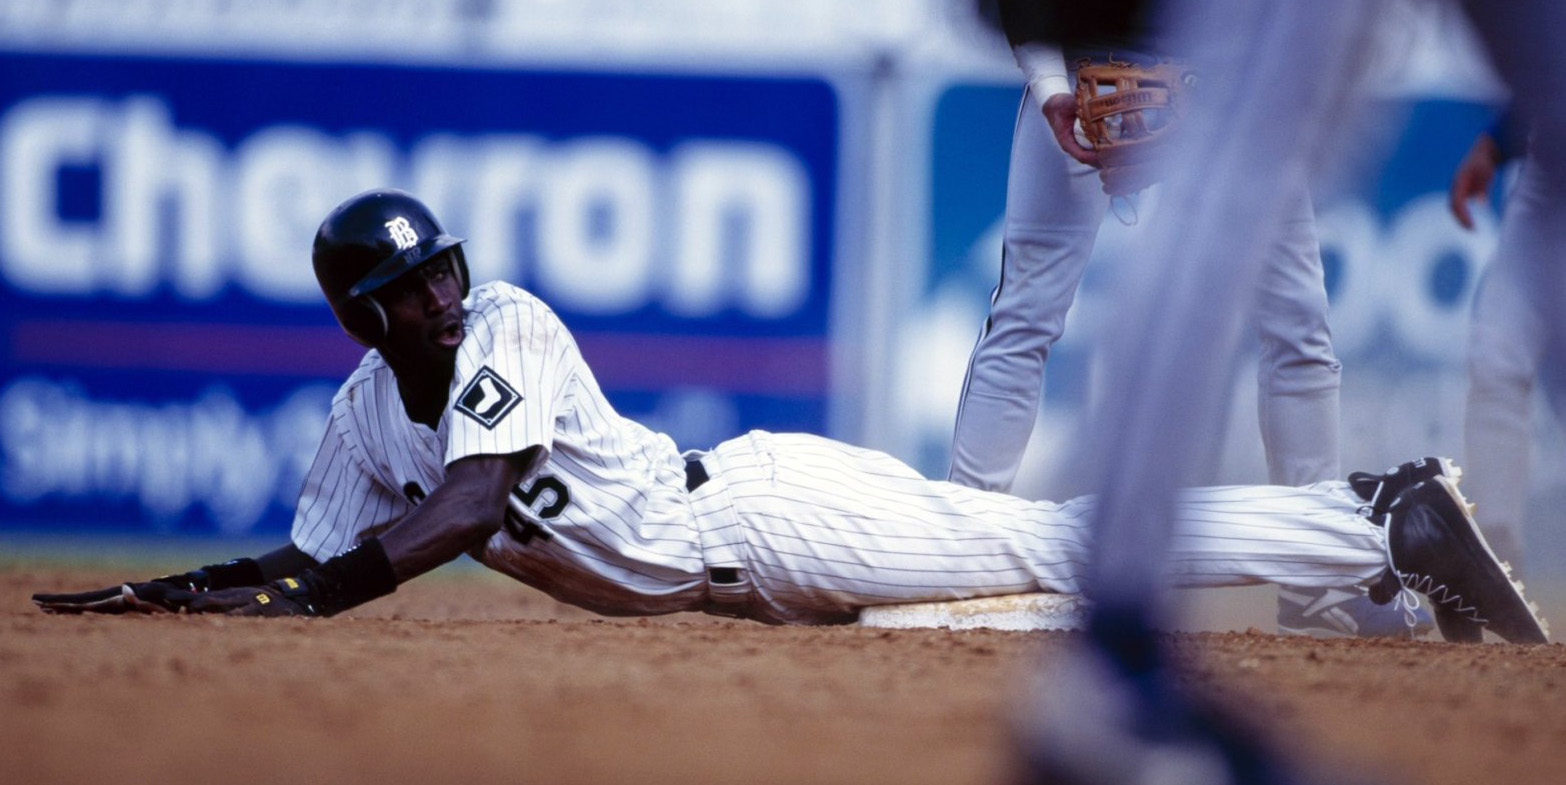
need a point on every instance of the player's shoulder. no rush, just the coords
(499, 305)
(358, 391)
(500, 295)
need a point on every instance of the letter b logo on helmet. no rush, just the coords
(402, 232)
(368, 242)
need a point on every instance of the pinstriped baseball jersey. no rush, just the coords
(603, 523)
(789, 527)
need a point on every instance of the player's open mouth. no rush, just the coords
(449, 336)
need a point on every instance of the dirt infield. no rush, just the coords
(471, 678)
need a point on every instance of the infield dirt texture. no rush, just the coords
(467, 677)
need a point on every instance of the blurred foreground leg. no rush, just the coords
(1274, 73)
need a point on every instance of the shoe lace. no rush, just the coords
(1439, 594)
(1407, 601)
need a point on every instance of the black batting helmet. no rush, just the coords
(366, 243)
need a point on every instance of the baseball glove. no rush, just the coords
(1129, 113)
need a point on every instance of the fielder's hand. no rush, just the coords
(1472, 179)
(1060, 111)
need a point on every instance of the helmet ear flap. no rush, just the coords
(364, 320)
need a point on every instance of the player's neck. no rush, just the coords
(424, 392)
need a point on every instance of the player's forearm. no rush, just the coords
(437, 532)
(427, 538)
(465, 510)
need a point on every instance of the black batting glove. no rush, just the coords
(353, 578)
(167, 594)
(146, 597)
(110, 600)
(236, 572)
(287, 597)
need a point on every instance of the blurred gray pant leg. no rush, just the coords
(1523, 40)
(1272, 72)
(1505, 348)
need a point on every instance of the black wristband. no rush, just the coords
(235, 572)
(354, 577)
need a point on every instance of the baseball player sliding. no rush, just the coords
(474, 426)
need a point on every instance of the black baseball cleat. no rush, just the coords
(1378, 490)
(1436, 549)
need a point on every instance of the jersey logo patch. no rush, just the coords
(488, 398)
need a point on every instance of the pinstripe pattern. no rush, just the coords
(815, 528)
(825, 529)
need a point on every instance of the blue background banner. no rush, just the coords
(167, 361)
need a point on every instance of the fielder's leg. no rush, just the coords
(1298, 375)
(1521, 38)
(1053, 211)
(1505, 347)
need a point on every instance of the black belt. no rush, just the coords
(695, 475)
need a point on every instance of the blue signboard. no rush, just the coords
(166, 360)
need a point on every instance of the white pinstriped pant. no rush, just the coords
(818, 529)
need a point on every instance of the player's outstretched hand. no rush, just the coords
(1472, 179)
(1060, 111)
(268, 600)
(146, 597)
(110, 600)
(168, 594)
